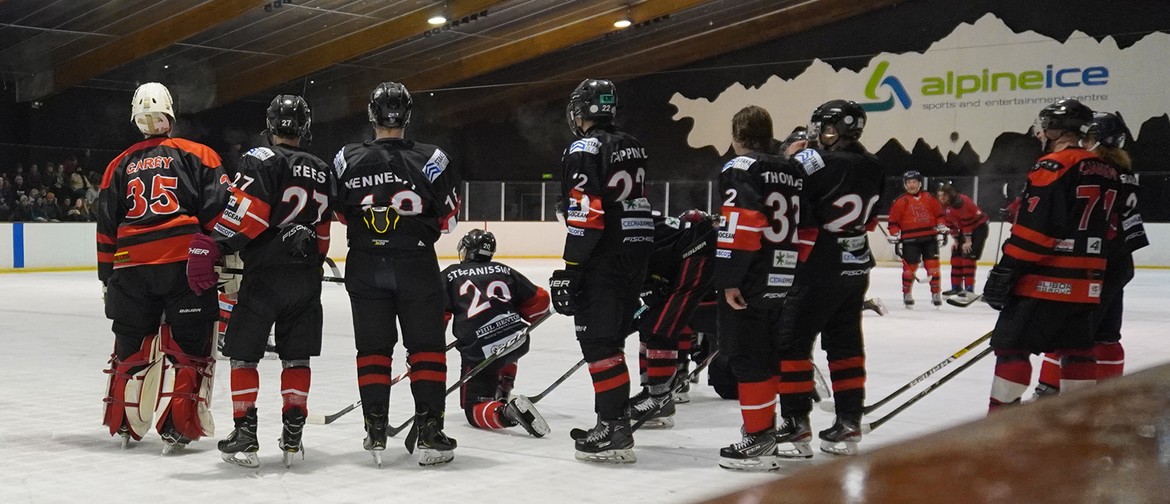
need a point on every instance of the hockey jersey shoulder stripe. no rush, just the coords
(207, 156)
(435, 165)
(586, 145)
(1023, 232)
(739, 163)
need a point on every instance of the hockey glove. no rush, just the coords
(894, 239)
(202, 254)
(997, 291)
(563, 285)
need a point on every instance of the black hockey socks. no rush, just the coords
(848, 376)
(373, 373)
(428, 380)
(611, 386)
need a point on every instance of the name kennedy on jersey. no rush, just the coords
(377, 179)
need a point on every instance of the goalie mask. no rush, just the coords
(152, 110)
(477, 245)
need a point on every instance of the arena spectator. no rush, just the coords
(23, 211)
(79, 212)
(77, 184)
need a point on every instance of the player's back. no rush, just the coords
(841, 188)
(604, 181)
(153, 197)
(482, 297)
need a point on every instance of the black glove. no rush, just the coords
(563, 285)
(998, 288)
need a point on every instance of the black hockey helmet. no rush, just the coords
(594, 100)
(477, 245)
(845, 116)
(289, 116)
(913, 175)
(1110, 129)
(1068, 115)
(390, 105)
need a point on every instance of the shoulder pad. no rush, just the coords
(339, 162)
(586, 145)
(260, 153)
(435, 165)
(810, 159)
(739, 163)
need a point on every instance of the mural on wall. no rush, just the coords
(966, 89)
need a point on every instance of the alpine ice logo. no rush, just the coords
(897, 90)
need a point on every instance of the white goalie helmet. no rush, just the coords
(151, 109)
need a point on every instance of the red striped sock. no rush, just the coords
(757, 404)
(486, 415)
(294, 388)
(245, 386)
(1110, 360)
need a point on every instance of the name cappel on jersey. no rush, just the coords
(395, 193)
(757, 236)
(153, 197)
(603, 185)
(276, 189)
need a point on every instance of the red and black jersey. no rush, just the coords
(1130, 230)
(841, 188)
(916, 216)
(490, 301)
(276, 189)
(963, 216)
(758, 229)
(153, 197)
(1059, 241)
(679, 275)
(603, 186)
(394, 193)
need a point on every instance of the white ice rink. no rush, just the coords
(53, 447)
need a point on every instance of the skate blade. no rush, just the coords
(288, 457)
(537, 427)
(754, 464)
(800, 450)
(431, 457)
(625, 456)
(841, 448)
(168, 449)
(125, 443)
(377, 454)
(682, 398)
(658, 423)
(243, 459)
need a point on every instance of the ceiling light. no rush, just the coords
(622, 23)
(437, 19)
(166, 67)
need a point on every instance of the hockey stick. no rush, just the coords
(328, 419)
(819, 385)
(536, 398)
(326, 278)
(871, 426)
(954, 301)
(497, 353)
(898, 252)
(826, 406)
(693, 377)
(333, 268)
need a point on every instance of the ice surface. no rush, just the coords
(53, 447)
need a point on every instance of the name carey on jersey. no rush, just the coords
(479, 270)
(376, 180)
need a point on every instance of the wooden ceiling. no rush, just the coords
(217, 52)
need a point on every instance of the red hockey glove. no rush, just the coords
(202, 254)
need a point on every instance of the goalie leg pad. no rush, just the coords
(185, 397)
(132, 389)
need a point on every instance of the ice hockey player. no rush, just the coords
(1049, 282)
(1127, 235)
(278, 219)
(154, 196)
(397, 196)
(968, 225)
(678, 281)
(754, 269)
(842, 183)
(492, 303)
(917, 226)
(609, 240)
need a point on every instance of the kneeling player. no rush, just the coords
(490, 303)
(282, 273)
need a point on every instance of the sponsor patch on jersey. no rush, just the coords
(261, 153)
(852, 243)
(1050, 287)
(586, 145)
(576, 231)
(637, 223)
(1093, 245)
(851, 258)
(190, 310)
(810, 160)
(636, 205)
(672, 222)
(739, 163)
(1131, 221)
(638, 239)
(775, 295)
(784, 258)
(855, 272)
(1065, 245)
(339, 162)
(1094, 289)
(1048, 164)
(435, 165)
(723, 254)
(776, 280)
(504, 322)
(223, 230)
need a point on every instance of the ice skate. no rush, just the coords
(521, 411)
(756, 452)
(173, 441)
(610, 441)
(1044, 390)
(953, 291)
(876, 305)
(124, 435)
(798, 432)
(842, 437)
(936, 300)
(682, 384)
(290, 435)
(653, 411)
(434, 447)
(908, 301)
(241, 445)
(375, 441)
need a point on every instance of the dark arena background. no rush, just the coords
(951, 88)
